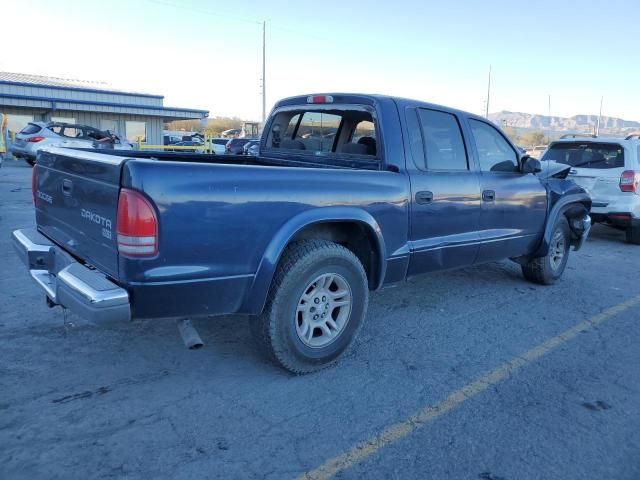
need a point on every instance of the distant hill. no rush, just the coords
(579, 123)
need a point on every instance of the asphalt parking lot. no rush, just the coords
(469, 374)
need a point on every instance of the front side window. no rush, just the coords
(586, 154)
(494, 152)
(71, 132)
(443, 143)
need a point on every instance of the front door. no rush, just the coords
(445, 205)
(514, 204)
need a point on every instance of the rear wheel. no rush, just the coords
(548, 269)
(316, 306)
(633, 235)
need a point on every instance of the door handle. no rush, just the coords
(424, 197)
(488, 195)
(67, 186)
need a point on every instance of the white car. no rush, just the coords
(219, 145)
(609, 169)
(37, 135)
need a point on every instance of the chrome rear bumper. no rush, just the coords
(68, 283)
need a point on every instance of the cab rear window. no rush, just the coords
(586, 155)
(324, 131)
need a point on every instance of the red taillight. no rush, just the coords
(630, 181)
(33, 184)
(137, 225)
(35, 139)
(320, 99)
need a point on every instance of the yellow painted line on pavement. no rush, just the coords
(400, 430)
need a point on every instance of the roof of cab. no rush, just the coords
(370, 99)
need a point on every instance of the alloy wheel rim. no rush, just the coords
(323, 310)
(557, 250)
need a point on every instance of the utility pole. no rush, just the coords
(599, 116)
(486, 113)
(549, 111)
(264, 69)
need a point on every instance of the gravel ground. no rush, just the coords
(83, 401)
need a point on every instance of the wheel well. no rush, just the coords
(356, 236)
(574, 211)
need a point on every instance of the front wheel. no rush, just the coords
(548, 269)
(317, 303)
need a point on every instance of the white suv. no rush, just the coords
(609, 169)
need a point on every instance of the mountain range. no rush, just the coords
(523, 122)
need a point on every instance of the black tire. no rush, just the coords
(633, 235)
(548, 269)
(276, 329)
(30, 161)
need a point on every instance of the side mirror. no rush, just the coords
(531, 165)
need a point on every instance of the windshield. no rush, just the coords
(586, 155)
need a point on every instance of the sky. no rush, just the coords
(208, 54)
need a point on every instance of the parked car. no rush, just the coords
(235, 145)
(219, 145)
(37, 135)
(171, 139)
(248, 145)
(609, 169)
(188, 143)
(231, 133)
(296, 237)
(254, 150)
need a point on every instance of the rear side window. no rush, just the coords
(443, 144)
(586, 154)
(30, 129)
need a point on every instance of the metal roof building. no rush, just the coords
(25, 98)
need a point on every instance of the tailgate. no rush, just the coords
(76, 204)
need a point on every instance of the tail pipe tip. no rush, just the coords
(189, 334)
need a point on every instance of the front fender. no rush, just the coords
(562, 205)
(257, 294)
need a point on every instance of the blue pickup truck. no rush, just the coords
(350, 193)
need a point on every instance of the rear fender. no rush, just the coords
(257, 294)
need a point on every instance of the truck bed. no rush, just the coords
(344, 161)
(206, 205)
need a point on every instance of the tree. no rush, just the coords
(512, 134)
(533, 138)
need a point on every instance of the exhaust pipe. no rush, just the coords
(189, 334)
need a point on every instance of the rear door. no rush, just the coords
(445, 195)
(76, 204)
(595, 166)
(514, 204)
